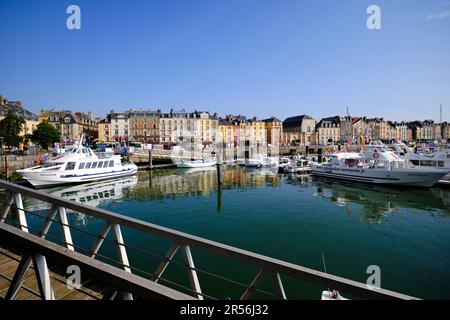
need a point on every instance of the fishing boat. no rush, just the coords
(298, 166)
(377, 165)
(78, 164)
(197, 163)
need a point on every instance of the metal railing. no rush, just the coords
(113, 222)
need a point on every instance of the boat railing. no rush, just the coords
(113, 229)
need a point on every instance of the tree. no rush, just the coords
(45, 134)
(10, 128)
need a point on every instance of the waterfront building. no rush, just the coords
(114, 127)
(328, 130)
(144, 125)
(206, 127)
(401, 131)
(70, 125)
(274, 131)
(301, 128)
(361, 129)
(380, 129)
(31, 119)
(346, 129)
(445, 131)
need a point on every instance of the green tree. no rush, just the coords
(10, 128)
(45, 134)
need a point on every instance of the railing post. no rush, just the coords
(7, 207)
(192, 273)
(65, 228)
(123, 257)
(21, 212)
(43, 277)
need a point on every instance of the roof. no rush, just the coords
(271, 119)
(18, 110)
(295, 121)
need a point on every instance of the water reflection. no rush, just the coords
(371, 203)
(374, 203)
(92, 194)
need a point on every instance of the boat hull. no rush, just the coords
(195, 164)
(46, 179)
(410, 177)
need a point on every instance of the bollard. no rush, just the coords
(6, 168)
(150, 160)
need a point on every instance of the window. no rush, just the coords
(111, 163)
(81, 166)
(88, 165)
(70, 166)
(94, 165)
(105, 164)
(100, 164)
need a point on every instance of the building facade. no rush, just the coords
(301, 128)
(328, 130)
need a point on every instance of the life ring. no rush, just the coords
(376, 155)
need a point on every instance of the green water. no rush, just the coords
(406, 232)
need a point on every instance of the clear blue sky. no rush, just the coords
(254, 57)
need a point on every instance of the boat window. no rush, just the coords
(88, 165)
(111, 163)
(105, 164)
(100, 164)
(94, 165)
(441, 164)
(70, 166)
(81, 166)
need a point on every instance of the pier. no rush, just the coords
(33, 263)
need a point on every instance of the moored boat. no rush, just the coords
(198, 163)
(77, 165)
(377, 165)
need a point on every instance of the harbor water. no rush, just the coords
(403, 231)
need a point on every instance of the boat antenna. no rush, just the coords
(324, 265)
(325, 268)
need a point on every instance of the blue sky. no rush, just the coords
(254, 57)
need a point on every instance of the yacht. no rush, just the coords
(439, 159)
(377, 165)
(78, 164)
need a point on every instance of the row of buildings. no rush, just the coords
(167, 128)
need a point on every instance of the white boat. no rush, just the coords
(377, 165)
(77, 165)
(261, 161)
(298, 166)
(332, 295)
(199, 163)
(439, 159)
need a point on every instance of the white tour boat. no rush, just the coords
(377, 165)
(77, 165)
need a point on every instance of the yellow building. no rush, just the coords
(144, 125)
(115, 127)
